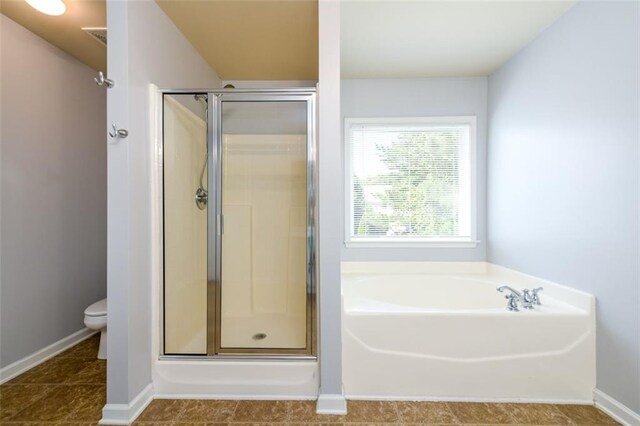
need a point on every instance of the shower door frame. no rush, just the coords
(215, 221)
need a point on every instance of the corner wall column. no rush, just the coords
(331, 398)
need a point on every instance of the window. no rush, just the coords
(410, 181)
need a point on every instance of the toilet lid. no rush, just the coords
(98, 309)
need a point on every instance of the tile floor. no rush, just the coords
(70, 390)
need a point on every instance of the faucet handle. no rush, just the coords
(527, 299)
(535, 299)
(512, 304)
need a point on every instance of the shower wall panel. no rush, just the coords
(185, 231)
(264, 241)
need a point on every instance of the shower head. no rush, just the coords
(200, 97)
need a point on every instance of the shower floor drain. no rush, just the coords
(259, 336)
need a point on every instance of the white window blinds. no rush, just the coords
(409, 180)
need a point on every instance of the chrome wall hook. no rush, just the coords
(101, 80)
(118, 133)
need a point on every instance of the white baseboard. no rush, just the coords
(470, 399)
(616, 409)
(15, 369)
(335, 404)
(125, 414)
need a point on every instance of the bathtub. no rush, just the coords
(441, 332)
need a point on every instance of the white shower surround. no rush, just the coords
(235, 379)
(184, 378)
(440, 331)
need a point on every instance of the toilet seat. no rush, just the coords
(98, 309)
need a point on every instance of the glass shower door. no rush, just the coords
(238, 212)
(185, 224)
(263, 206)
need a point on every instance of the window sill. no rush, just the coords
(440, 243)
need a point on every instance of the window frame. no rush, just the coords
(350, 240)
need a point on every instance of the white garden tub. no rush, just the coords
(429, 332)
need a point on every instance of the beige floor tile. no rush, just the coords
(153, 423)
(586, 415)
(54, 371)
(89, 403)
(261, 411)
(372, 411)
(53, 407)
(426, 412)
(537, 414)
(312, 423)
(93, 373)
(87, 349)
(61, 423)
(163, 410)
(198, 424)
(14, 398)
(480, 413)
(201, 424)
(305, 412)
(207, 411)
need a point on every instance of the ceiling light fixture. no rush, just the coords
(49, 7)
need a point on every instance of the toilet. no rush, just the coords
(95, 318)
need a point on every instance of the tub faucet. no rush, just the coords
(513, 297)
(527, 298)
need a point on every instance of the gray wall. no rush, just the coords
(422, 98)
(54, 193)
(563, 173)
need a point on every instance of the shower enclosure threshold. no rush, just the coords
(236, 379)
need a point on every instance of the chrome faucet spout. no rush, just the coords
(515, 292)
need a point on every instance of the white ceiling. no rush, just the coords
(404, 39)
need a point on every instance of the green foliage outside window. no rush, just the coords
(418, 195)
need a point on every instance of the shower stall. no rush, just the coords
(239, 235)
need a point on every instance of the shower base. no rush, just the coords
(267, 330)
